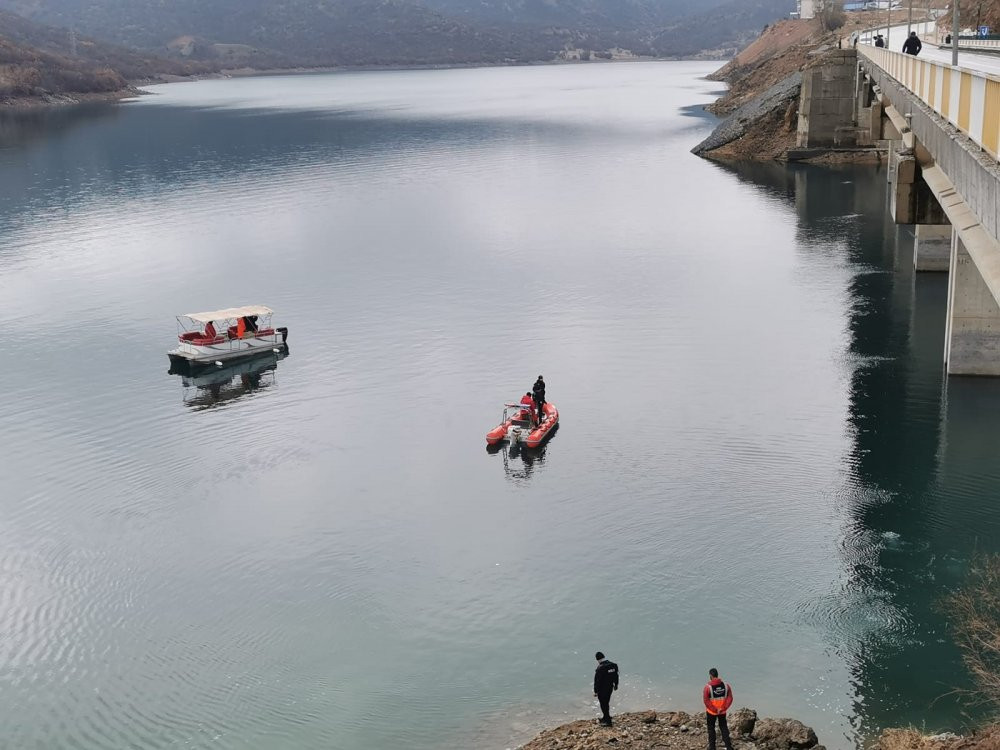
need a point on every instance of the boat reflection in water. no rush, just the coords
(208, 388)
(519, 462)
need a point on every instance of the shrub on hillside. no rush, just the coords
(18, 80)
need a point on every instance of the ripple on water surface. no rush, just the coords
(284, 562)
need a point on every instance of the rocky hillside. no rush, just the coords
(263, 33)
(40, 63)
(733, 25)
(981, 13)
(761, 104)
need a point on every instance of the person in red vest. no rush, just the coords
(528, 405)
(210, 330)
(718, 697)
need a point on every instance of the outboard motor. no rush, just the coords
(284, 334)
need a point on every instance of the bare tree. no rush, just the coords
(975, 610)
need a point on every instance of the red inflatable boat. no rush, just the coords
(517, 429)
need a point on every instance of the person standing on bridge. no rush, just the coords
(879, 41)
(912, 45)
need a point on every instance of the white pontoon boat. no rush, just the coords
(221, 336)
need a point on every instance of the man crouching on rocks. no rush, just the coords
(718, 697)
(605, 682)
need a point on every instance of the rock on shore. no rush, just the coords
(772, 114)
(676, 730)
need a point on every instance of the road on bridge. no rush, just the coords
(983, 62)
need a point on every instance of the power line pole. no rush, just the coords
(954, 33)
(888, 21)
(909, 20)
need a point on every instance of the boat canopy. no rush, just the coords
(232, 312)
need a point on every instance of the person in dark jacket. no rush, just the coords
(717, 697)
(879, 41)
(605, 683)
(538, 389)
(912, 45)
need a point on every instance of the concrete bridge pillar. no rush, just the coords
(868, 108)
(827, 104)
(972, 332)
(911, 200)
(932, 247)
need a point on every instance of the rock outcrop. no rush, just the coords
(742, 722)
(676, 730)
(767, 114)
(784, 734)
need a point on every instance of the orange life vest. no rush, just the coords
(717, 694)
(241, 327)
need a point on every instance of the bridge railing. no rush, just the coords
(976, 43)
(968, 99)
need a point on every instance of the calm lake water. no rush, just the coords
(759, 466)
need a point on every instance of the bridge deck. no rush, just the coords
(980, 61)
(968, 99)
(984, 63)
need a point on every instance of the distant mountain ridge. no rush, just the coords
(266, 33)
(582, 14)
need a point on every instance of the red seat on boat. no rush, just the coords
(265, 332)
(200, 340)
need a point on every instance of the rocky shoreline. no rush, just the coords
(677, 730)
(761, 107)
(49, 99)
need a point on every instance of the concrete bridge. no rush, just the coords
(940, 128)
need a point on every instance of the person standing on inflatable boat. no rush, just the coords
(538, 389)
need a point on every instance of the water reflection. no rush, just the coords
(923, 465)
(520, 462)
(23, 127)
(220, 386)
